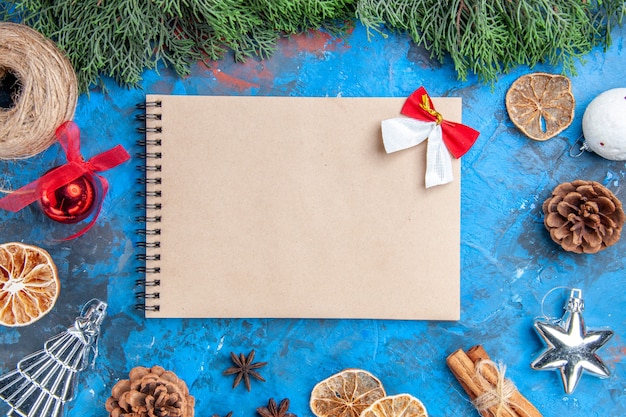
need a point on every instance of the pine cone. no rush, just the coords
(150, 392)
(583, 216)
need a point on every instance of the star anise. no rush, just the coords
(244, 369)
(273, 410)
(230, 413)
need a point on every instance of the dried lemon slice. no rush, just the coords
(401, 405)
(541, 105)
(345, 394)
(29, 285)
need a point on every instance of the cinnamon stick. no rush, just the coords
(465, 372)
(518, 402)
(463, 367)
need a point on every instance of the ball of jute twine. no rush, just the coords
(46, 95)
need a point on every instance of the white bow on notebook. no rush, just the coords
(445, 139)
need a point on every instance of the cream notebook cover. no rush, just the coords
(289, 207)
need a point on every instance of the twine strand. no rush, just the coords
(495, 397)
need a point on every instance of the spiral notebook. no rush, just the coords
(289, 207)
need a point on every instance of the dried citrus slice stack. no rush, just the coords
(541, 105)
(345, 394)
(401, 405)
(29, 285)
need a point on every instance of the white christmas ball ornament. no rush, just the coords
(604, 125)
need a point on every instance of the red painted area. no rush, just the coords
(242, 76)
(260, 74)
(253, 69)
(312, 41)
(232, 81)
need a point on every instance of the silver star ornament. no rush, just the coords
(570, 347)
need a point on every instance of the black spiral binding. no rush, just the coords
(149, 206)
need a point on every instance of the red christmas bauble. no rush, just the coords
(72, 202)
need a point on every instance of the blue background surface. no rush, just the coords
(509, 262)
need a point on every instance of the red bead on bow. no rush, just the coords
(74, 174)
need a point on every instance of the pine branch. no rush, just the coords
(488, 37)
(123, 38)
(292, 17)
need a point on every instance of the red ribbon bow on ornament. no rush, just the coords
(68, 135)
(423, 121)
